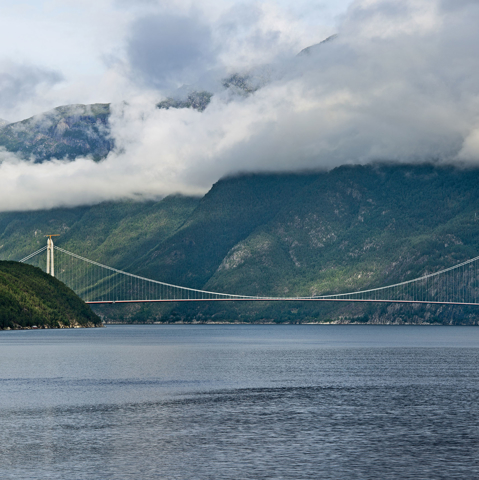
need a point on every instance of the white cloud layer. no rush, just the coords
(399, 83)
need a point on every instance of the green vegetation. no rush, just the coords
(292, 234)
(30, 297)
(113, 233)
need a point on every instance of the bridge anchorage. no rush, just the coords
(96, 283)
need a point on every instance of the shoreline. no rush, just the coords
(293, 323)
(46, 327)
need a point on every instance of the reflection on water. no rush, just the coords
(208, 402)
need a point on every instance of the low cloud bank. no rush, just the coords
(398, 83)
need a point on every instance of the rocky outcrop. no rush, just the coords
(65, 132)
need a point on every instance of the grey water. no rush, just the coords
(240, 402)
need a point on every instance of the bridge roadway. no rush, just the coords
(279, 299)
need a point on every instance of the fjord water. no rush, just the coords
(240, 402)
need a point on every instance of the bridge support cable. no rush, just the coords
(98, 283)
(28, 257)
(94, 281)
(458, 282)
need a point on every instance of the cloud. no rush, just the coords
(398, 83)
(170, 49)
(20, 82)
(469, 152)
(30, 186)
(166, 51)
(458, 4)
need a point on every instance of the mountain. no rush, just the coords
(353, 227)
(30, 297)
(115, 232)
(312, 49)
(65, 132)
(72, 131)
(196, 100)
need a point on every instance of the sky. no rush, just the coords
(399, 83)
(57, 52)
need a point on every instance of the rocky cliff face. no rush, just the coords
(64, 132)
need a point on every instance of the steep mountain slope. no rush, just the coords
(228, 213)
(359, 227)
(351, 228)
(113, 233)
(324, 232)
(64, 132)
(30, 297)
(356, 228)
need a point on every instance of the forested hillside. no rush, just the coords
(116, 233)
(352, 228)
(30, 297)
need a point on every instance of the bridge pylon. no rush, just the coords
(50, 255)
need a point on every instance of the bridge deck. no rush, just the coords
(425, 302)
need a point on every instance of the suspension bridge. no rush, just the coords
(96, 283)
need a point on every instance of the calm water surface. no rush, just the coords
(240, 402)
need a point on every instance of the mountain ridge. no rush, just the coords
(68, 131)
(353, 227)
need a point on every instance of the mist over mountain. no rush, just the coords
(395, 85)
(77, 131)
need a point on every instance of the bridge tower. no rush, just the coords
(50, 256)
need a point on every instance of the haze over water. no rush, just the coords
(207, 402)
